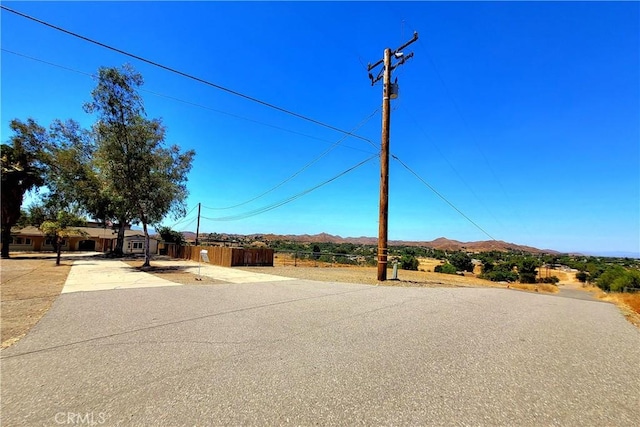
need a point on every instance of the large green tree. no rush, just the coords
(145, 179)
(22, 170)
(461, 261)
(116, 101)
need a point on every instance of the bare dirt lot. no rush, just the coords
(172, 273)
(30, 284)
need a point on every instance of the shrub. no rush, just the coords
(445, 268)
(461, 261)
(609, 276)
(527, 277)
(630, 279)
(582, 276)
(500, 273)
(409, 262)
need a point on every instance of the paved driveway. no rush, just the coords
(311, 353)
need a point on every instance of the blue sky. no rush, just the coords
(523, 115)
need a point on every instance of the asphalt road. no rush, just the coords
(310, 353)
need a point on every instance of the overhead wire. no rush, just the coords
(288, 199)
(161, 95)
(305, 167)
(185, 216)
(467, 127)
(183, 74)
(455, 170)
(186, 226)
(437, 193)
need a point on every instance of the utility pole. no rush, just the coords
(389, 91)
(198, 226)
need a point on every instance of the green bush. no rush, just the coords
(445, 268)
(500, 273)
(609, 276)
(461, 261)
(630, 279)
(582, 276)
(409, 262)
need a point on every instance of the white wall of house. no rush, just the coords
(135, 245)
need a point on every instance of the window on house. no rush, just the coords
(18, 240)
(27, 241)
(138, 245)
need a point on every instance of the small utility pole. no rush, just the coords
(389, 91)
(198, 226)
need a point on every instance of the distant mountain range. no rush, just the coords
(441, 243)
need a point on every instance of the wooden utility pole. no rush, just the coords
(388, 91)
(198, 226)
(383, 217)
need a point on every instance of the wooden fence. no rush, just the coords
(226, 257)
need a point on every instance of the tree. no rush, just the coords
(527, 269)
(629, 280)
(409, 262)
(461, 261)
(611, 277)
(145, 179)
(445, 268)
(582, 276)
(116, 101)
(500, 272)
(22, 170)
(171, 236)
(60, 228)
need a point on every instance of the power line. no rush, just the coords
(441, 196)
(420, 128)
(186, 226)
(305, 167)
(183, 74)
(467, 127)
(161, 95)
(184, 218)
(289, 199)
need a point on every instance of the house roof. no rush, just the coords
(88, 232)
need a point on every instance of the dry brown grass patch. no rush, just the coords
(538, 287)
(629, 304)
(28, 287)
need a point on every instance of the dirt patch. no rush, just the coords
(173, 273)
(28, 286)
(368, 275)
(537, 287)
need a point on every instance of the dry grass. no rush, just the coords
(315, 270)
(632, 300)
(629, 304)
(538, 287)
(428, 264)
(29, 284)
